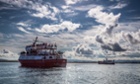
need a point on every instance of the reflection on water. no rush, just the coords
(74, 73)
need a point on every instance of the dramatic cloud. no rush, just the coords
(112, 47)
(110, 21)
(108, 44)
(81, 28)
(99, 39)
(65, 25)
(103, 17)
(83, 49)
(110, 28)
(131, 39)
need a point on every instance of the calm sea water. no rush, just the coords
(74, 73)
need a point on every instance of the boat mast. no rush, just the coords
(35, 41)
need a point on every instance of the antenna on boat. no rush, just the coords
(35, 41)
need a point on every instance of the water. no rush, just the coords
(74, 73)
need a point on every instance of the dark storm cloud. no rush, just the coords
(113, 47)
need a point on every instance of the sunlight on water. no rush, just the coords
(74, 73)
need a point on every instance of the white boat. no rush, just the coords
(106, 61)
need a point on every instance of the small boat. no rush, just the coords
(106, 61)
(42, 55)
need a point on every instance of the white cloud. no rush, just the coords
(103, 17)
(22, 24)
(8, 55)
(19, 3)
(17, 42)
(108, 21)
(66, 41)
(64, 7)
(83, 49)
(118, 6)
(23, 30)
(128, 26)
(126, 35)
(58, 27)
(44, 11)
(84, 8)
(41, 10)
(70, 2)
(68, 11)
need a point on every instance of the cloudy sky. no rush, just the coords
(81, 28)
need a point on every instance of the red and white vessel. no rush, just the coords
(42, 55)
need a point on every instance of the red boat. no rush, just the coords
(42, 55)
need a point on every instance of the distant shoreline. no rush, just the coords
(9, 61)
(137, 62)
(115, 62)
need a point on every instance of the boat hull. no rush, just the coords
(44, 63)
(102, 62)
